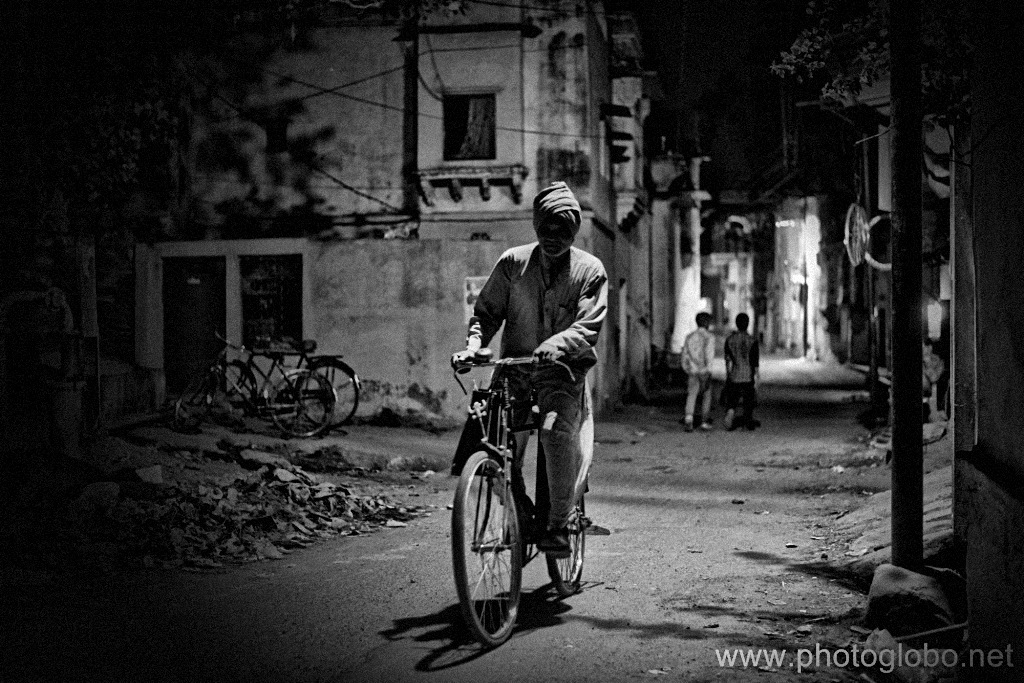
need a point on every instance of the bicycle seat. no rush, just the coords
(304, 346)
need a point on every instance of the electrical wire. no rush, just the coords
(437, 71)
(391, 107)
(341, 183)
(371, 77)
(531, 8)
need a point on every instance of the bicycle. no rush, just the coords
(494, 523)
(339, 374)
(299, 401)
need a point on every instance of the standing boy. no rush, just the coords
(742, 358)
(698, 352)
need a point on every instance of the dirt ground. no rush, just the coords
(718, 542)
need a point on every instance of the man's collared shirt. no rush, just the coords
(568, 311)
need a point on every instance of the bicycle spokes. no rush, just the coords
(486, 550)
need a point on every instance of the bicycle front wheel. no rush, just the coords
(486, 550)
(300, 403)
(239, 385)
(567, 573)
(345, 383)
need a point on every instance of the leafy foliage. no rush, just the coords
(103, 92)
(845, 48)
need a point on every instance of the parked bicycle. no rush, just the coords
(494, 523)
(299, 400)
(342, 378)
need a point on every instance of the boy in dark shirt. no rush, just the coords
(742, 358)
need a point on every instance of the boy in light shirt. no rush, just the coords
(698, 352)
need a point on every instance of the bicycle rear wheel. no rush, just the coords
(345, 383)
(566, 573)
(197, 400)
(300, 403)
(486, 550)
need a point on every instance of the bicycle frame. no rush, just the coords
(297, 400)
(494, 522)
(494, 412)
(248, 356)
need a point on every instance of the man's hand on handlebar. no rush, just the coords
(548, 352)
(462, 357)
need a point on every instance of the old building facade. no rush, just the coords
(326, 200)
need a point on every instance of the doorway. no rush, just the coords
(194, 308)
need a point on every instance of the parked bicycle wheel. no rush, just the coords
(300, 403)
(345, 383)
(197, 400)
(239, 384)
(566, 573)
(486, 550)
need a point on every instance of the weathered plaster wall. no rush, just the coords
(473, 64)
(995, 502)
(350, 134)
(664, 216)
(395, 310)
(994, 567)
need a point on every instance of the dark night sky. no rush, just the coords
(713, 59)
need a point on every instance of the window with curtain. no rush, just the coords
(469, 127)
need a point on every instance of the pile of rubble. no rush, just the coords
(263, 515)
(264, 509)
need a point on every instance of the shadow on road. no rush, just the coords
(540, 608)
(844, 577)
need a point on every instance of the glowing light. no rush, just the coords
(934, 315)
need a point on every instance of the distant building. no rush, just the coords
(324, 199)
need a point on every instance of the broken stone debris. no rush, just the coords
(247, 516)
(905, 602)
(262, 515)
(253, 459)
(98, 498)
(911, 665)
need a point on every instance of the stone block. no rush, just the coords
(905, 602)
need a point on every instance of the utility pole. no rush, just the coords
(411, 115)
(907, 461)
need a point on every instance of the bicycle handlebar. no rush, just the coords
(512, 360)
(228, 342)
(297, 348)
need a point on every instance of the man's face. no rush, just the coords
(556, 234)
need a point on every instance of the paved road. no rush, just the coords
(687, 569)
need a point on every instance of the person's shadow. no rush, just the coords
(446, 629)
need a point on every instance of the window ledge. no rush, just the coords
(454, 177)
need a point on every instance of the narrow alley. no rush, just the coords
(706, 545)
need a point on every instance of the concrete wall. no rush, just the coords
(395, 309)
(337, 135)
(989, 490)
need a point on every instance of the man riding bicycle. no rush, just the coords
(552, 299)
